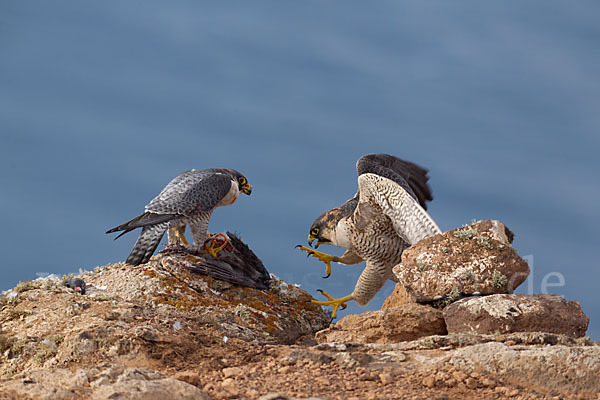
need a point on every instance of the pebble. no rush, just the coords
(459, 376)
(450, 382)
(487, 382)
(471, 383)
(285, 369)
(230, 385)
(232, 371)
(441, 376)
(386, 378)
(428, 381)
(501, 389)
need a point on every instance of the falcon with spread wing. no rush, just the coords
(190, 198)
(387, 214)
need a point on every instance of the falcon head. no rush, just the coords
(241, 180)
(323, 230)
(326, 228)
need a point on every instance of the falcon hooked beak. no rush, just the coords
(247, 189)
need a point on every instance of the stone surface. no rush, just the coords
(473, 362)
(107, 382)
(577, 368)
(476, 259)
(405, 322)
(506, 313)
(156, 331)
(149, 390)
(149, 315)
(398, 297)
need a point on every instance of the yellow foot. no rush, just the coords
(326, 258)
(210, 246)
(335, 303)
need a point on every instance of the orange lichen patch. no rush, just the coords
(275, 311)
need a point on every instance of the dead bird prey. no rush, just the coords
(235, 264)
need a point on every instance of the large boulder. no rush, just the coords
(472, 260)
(398, 297)
(505, 313)
(406, 322)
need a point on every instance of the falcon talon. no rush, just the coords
(335, 303)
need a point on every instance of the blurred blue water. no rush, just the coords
(102, 103)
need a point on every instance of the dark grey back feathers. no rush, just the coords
(190, 192)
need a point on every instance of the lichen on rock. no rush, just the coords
(475, 259)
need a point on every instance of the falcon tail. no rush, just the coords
(145, 219)
(146, 244)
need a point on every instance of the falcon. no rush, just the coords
(190, 198)
(387, 214)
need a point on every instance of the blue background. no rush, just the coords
(102, 103)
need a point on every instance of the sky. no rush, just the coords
(102, 103)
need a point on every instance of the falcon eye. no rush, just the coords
(314, 232)
(242, 180)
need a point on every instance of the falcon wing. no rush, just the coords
(190, 192)
(411, 222)
(411, 177)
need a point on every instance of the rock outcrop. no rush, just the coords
(146, 316)
(473, 260)
(470, 263)
(99, 383)
(506, 313)
(405, 322)
(398, 297)
(160, 331)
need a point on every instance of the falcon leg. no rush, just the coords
(335, 303)
(177, 235)
(347, 258)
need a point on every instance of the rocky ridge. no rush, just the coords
(160, 331)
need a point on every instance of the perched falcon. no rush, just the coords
(386, 215)
(190, 198)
